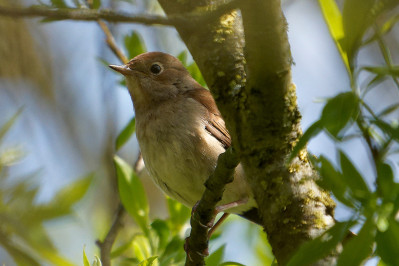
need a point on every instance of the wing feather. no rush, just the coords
(215, 124)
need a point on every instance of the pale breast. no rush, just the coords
(180, 154)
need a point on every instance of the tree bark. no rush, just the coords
(258, 103)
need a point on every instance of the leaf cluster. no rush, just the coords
(375, 208)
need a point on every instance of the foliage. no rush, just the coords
(22, 231)
(374, 209)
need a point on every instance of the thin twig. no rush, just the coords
(204, 212)
(111, 42)
(106, 245)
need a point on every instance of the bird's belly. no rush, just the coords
(179, 168)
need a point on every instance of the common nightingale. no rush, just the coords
(181, 131)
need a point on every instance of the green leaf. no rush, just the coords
(85, 259)
(141, 247)
(333, 18)
(192, 68)
(388, 110)
(74, 192)
(58, 3)
(10, 156)
(96, 4)
(10, 122)
(387, 243)
(126, 133)
(121, 249)
(148, 262)
(334, 181)
(385, 181)
(384, 29)
(163, 232)
(132, 193)
(178, 214)
(196, 73)
(321, 246)
(216, 257)
(357, 17)
(338, 111)
(18, 255)
(312, 131)
(183, 57)
(97, 261)
(134, 45)
(353, 178)
(64, 200)
(383, 70)
(173, 252)
(390, 130)
(358, 248)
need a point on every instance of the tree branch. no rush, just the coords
(204, 212)
(85, 14)
(290, 203)
(106, 245)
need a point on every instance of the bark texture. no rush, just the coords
(257, 99)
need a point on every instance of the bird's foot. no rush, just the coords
(186, 247)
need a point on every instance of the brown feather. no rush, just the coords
(215, 126)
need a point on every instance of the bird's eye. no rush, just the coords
(156, 69)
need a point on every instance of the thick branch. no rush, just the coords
(292, 205)
(204, 212)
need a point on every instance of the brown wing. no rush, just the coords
(215, 126)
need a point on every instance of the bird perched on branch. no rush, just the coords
(181, 132)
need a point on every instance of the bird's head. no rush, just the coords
(154, 77)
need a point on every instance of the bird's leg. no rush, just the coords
(216, 225)
(220, 209)
(212, 227)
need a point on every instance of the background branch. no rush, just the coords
(111, 42)
(87, 14)
(106, 245)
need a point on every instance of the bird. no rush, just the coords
(181, 132)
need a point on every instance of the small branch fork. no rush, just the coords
(106, 245)
(204, 214)
(87, 14)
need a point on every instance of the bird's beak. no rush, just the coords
(124, 70)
